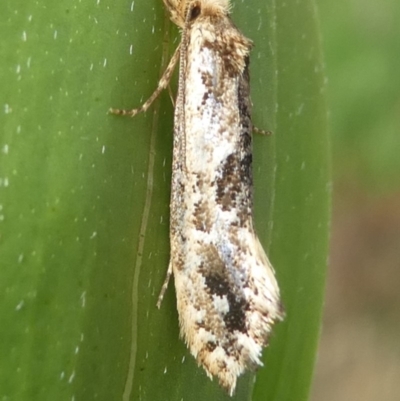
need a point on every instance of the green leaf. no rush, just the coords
(84, 201)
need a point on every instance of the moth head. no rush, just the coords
(184, 11)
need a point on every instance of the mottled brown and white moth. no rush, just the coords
(227, 295)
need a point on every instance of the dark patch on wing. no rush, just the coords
(218, 283)
(228, 184)
(246, 151)
(210, 346)
(201, 217)
(235, 318)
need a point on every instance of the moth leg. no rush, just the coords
(162, 84)
(257, 130)
(165, 285)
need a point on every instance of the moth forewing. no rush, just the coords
(227, 295)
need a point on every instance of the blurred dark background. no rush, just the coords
(359, 354)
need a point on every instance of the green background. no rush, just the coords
(84, 201)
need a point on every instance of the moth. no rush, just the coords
(227, 295)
